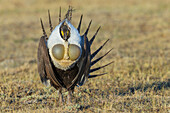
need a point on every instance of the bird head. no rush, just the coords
(65, 31)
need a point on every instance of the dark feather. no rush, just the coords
(67, 77)
(86, 62)
(71, 10)
(92, 76)
(95, 61)
(51, 27)
(95, 69)
(88, 28)
(44, 64)
(95, 53)
(68, 15)
(44, 33)
(79, 26)
(92, 39)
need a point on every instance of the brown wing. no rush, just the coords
(45, 68)
(86, 65)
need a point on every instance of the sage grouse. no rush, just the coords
(64, 58)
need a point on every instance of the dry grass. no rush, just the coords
(138, 81)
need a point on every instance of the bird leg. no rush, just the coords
(60, 96)
(69, 97)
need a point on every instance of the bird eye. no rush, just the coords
(58, 51)
(74, 52)
(62, 33)
(68, 33)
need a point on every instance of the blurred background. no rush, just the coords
(139, 32)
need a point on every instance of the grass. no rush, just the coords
(138, 81)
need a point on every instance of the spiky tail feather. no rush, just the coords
(98, 59)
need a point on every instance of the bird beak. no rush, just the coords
(65, 36)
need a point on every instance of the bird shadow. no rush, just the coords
(155, 86)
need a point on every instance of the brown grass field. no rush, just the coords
(138, 81)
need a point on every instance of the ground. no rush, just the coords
(137, 81)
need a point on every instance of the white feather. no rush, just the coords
(55, 38)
